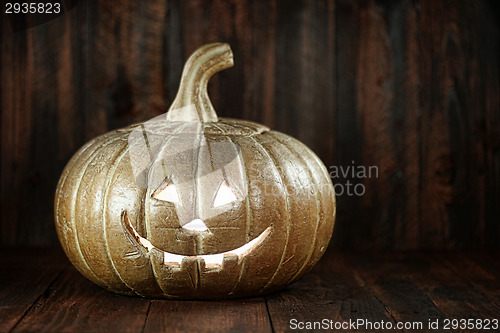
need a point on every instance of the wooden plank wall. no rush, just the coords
(411, 87)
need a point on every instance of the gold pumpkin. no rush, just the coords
(191, 206)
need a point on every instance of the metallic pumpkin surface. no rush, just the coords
(117, 232)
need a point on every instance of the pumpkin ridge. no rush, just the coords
(70, 166)
(142, 217)
(109, 178)
(75, 191)
(146, 211)
(249, 217)
(311, 153)
(89, 221)
(327, 177)
(289, 218)
(317, 190)
(294, 172)
(196, 199)
(62, 181)
(153, 162)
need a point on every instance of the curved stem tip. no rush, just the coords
(192, 102)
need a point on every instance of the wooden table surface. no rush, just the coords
(41, 291)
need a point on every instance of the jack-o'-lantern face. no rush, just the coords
(196, 196)
(188, 205)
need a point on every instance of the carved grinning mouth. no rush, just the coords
(211, 260)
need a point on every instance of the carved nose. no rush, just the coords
(195, 225)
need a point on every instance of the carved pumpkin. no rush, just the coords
(191, 206)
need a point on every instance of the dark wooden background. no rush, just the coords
(411, 87)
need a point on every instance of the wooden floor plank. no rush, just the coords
(480, 270)
(331, 291)
(25, 276)
(75, 304)
(41, 292)
(455, 296)
(419, 287)
(489, 261)
(246, 315)
(389, 276)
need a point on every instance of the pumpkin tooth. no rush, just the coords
(172, 258)
(216, 260)
(230, 260)
(210, 261)
(213, 260)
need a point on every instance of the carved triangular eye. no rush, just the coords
(224, 195)
(167, 193)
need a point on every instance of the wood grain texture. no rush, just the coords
(409, 86)
(429, 285)
(41, 292)
(333, 291)
(74, 304)
(216, 316)
(26, 276)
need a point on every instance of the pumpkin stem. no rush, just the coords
(192, 102)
